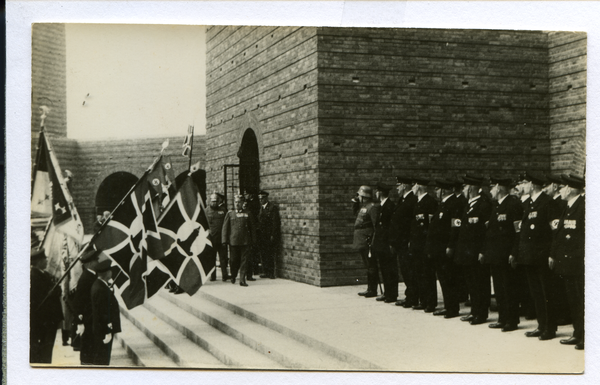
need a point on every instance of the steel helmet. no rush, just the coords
(365, 191)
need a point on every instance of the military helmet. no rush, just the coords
(365, 191)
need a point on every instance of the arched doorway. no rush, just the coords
(249, 174)
(112, 189)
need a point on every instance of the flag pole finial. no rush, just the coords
(45, 111)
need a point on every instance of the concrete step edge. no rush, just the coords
(229, 358)
(357, 362)
(138, 355)
(277, 355)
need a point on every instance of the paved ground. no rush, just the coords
(391, 337)
(400, 339)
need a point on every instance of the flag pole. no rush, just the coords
(191, 146)
(87, 245)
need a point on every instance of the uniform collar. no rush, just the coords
(535, 196)
(502, 199)
(446, 198)
(406, 193)
(383, 201)
(474, 199)
(571, 201)
(421, 196)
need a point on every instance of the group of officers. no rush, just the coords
(93, 303)
(528, 235)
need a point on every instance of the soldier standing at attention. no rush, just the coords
(534, 249)
(399, 238)
(469, 246)
(424, 267)
(269, 232)
(105, 314)
(440, 246)
(568, 254)
(381, 245)
(83, 306)
(45, 310)
(552, 188)
(500, 240)
(364, 228)
(215, 213)
(239, 232)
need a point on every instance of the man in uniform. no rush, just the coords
(239, 232)
(45, 310)
(470, 245)
(82, 305)
(500, 240)
(253, 258)
(534, 249)
(552, 188)
(105, 314)
(215, 213)
(269, 232)
(364, 228)
(381, 245)
(568, 253)
(424, 267)
(399, 238)
(440, 246)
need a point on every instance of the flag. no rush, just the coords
(51, 197)
(162, 183)
(187, 142)
(131, 240)
(189, 254)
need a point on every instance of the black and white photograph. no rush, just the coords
(305, 198)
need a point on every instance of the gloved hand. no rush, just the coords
(107, 338)
(80, 329)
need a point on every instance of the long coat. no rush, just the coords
(216, 217)
(471, 237)
(269, 224)
(568, 248)
(105, 310)
(536, 232)
(381, 238)
(239, 228)
(401, 219)
(501, 235)
(364, 226)
(419, 225)
(441, 228)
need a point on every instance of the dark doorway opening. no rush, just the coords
(112, 190)
(249, 173)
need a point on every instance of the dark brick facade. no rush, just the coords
(335, 108)
(567, 74)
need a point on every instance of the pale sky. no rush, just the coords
(142, 80)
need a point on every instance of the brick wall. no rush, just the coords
(265, 78)
(93, 161)
(48, 79)
(567, 74)
(421, 102)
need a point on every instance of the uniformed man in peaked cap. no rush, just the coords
(552, 188)
(470, 245)
(239, 232)
(364, 228)
(568, 254)
(424, 209)
(105, 314)
(45, 310)
(534, 249)
(82, 305)
(381, 245)
(440, 245)
(400, 236)
(215, 213)
(269, 233)
(500, 239)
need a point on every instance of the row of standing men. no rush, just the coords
(528, 235)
